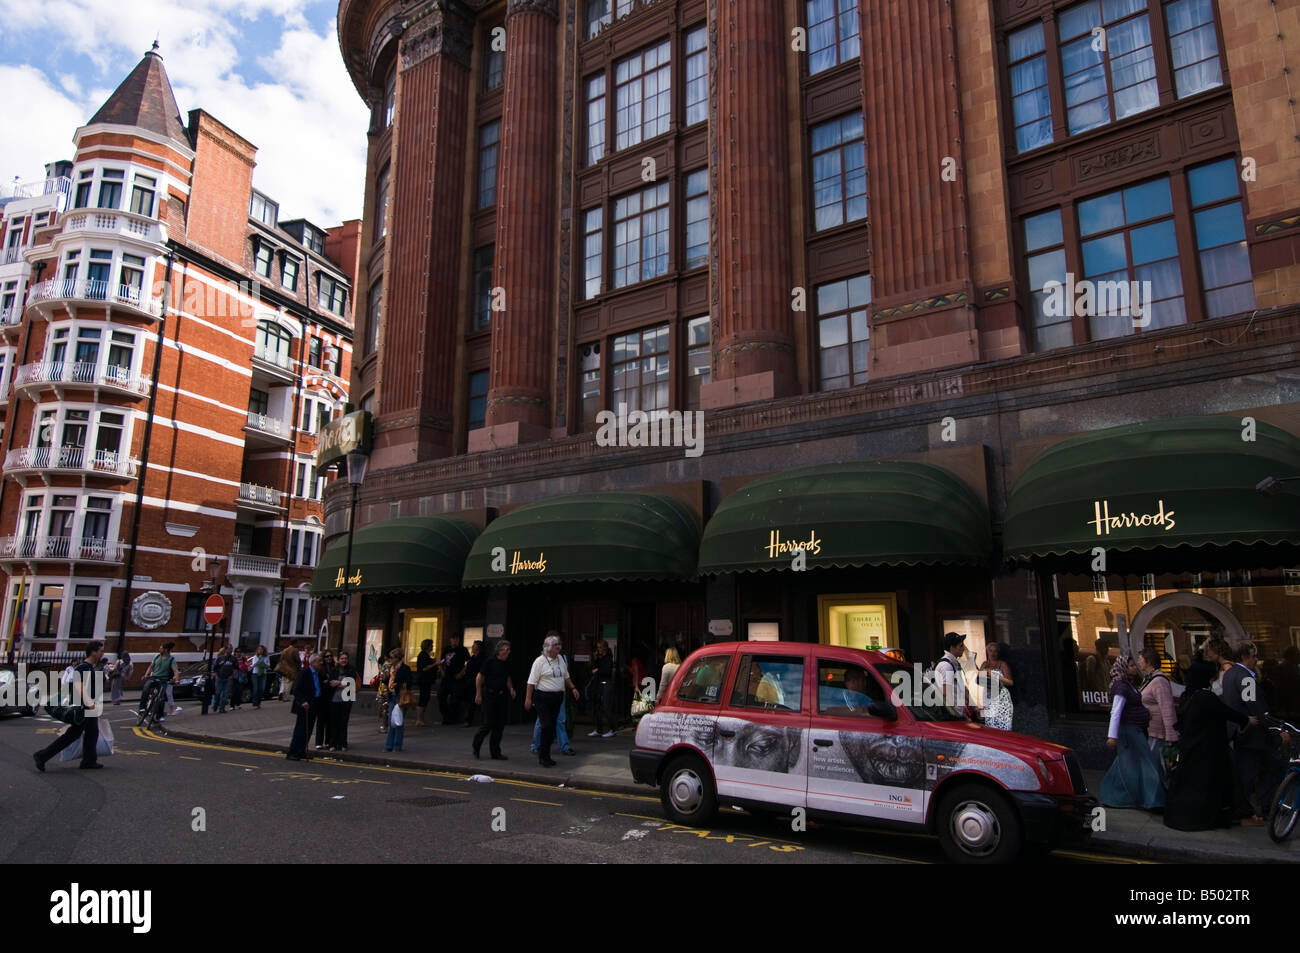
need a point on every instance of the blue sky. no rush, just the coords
(269, 69)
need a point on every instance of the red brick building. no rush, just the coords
(173, 346)
(841, 229)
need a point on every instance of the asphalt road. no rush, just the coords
(169, 800)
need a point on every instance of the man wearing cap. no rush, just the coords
(947, 671)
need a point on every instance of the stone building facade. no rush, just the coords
(842, 230)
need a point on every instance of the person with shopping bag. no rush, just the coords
(85, 729)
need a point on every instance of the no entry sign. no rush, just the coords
(214, 610)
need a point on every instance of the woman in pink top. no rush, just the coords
(1158, 700)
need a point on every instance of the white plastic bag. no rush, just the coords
(395, 717)
(103, 746)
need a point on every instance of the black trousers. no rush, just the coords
(495, 707)
(449, 701)
(549, 705)
(88, 731)
(324, 727)
(302, 728)
(340, 712)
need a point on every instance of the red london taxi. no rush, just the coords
(773, 726)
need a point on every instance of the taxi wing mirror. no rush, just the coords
(882, 709)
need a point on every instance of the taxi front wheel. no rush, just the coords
(977, 825)
(687, 792)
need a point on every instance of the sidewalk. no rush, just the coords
(601, 764)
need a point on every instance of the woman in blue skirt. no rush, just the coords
(1134, 780)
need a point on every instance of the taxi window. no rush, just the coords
(847, 690)
(703, 680)
(773, 683)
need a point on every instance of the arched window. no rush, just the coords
(273, 343)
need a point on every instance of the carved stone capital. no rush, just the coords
(549, 7)
(439, 32)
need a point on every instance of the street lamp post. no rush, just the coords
(357, 463)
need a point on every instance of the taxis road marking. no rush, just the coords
(419, 772)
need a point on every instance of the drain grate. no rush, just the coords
(432, 800)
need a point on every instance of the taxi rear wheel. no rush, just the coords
(977, 825)
(687, 792)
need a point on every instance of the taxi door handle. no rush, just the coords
(822, 742)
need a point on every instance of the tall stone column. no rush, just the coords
(754, 346)
(421, 321)
(923, 295)
(519, 389)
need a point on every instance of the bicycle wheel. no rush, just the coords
(1286, 806)
(147, 710)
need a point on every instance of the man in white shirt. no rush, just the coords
(547, 680)
(948, 673)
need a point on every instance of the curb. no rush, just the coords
(1114, 846)
(566, 781)
(1178, 854)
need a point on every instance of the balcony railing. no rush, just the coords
(90, 375)
(11, 317)
(12, 255)
(106, 462)
(60, 186)
(71, 549)
(252, 493)
(94, 290)
(267, 356)
(264, 423)
(263, 567)
(113, 223)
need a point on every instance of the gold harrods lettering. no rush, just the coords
(777, 546)
(518, 564)
(1103, 522)
(355, 580)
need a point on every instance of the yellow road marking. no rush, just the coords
(1101, 858)
(639, 817)
(186, 757)
(444, 790)
(547, 803)
(236, 764)
(420, 772)
(901, 860)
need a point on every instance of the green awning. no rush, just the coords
(874, 513)
(1189, 481)
(417, 554)
(587, 537)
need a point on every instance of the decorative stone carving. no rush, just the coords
(439, 32)
(549, 7)
(1133, 152)
(151, 610)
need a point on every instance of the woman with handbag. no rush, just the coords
(1158, 700)
(400, 700)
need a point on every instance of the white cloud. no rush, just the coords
(47, 118)
(308, 123)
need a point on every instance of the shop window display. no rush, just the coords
(1176, 620)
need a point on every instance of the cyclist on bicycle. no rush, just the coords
(162, 671)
